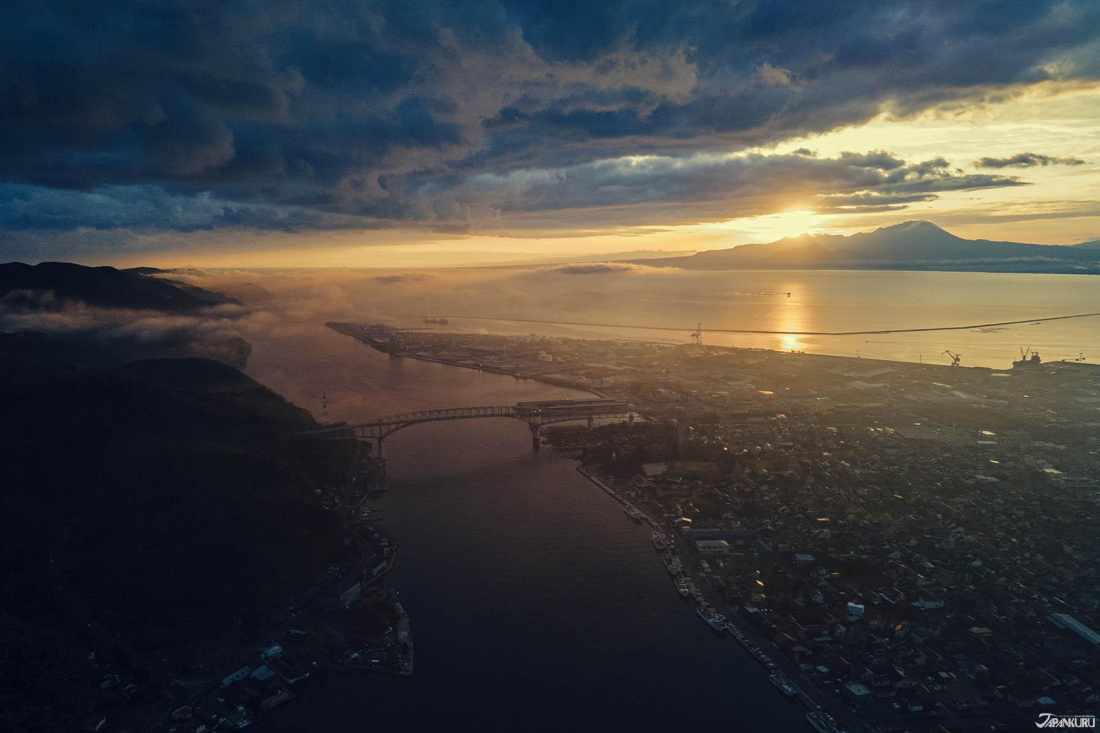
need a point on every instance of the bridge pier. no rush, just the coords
(536, 443)
(381, 464)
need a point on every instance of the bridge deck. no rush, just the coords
(534, 413)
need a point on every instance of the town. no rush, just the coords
(904, 547)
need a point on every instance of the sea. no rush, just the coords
(535, 602)
(667, 305)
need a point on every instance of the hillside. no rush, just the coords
(53, 285)
(181, 504)
(913, 245)
(107, 317)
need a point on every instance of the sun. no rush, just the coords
(766, 227)
(783, 224)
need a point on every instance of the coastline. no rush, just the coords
(749, 639)
(495, 370)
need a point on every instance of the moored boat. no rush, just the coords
(714, 619)
(781, 681)
(822, 722)
(683, 588)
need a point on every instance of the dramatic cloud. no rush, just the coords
(237, 114)
(1026, 160)
(673, 190)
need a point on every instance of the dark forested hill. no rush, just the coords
(52, 285)
(187, 505)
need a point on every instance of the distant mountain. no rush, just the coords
(912, 245)
(53, 285)
(1093, 244)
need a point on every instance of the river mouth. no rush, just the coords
(535, 601)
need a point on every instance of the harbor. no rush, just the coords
(724, 561)
(685, 582)
(508, 555)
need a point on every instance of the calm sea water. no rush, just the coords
(535, 602)
(818, 301)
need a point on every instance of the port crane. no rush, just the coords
(955, 358)
(697, 337)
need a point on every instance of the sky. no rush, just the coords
(424, 133)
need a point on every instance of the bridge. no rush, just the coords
(535, 414)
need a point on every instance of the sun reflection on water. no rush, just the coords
(791, 318)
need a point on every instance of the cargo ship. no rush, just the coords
(683, 588)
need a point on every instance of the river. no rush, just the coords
(535, 602)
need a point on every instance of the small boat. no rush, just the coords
(714, 619)
(683, 588)
(1028, 358)
(633, 513)
(659, 542)
(781, 681)
(674, 566)
(822, 722)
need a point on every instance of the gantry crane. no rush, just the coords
(697, 337)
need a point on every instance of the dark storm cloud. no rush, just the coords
(240, 113)
(634, 185)
(1025, 160)
(151, 207)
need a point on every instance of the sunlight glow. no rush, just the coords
(766, 227)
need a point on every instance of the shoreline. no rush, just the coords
(710, 350)
(740, 632)
(615, 495)
(491, 370)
